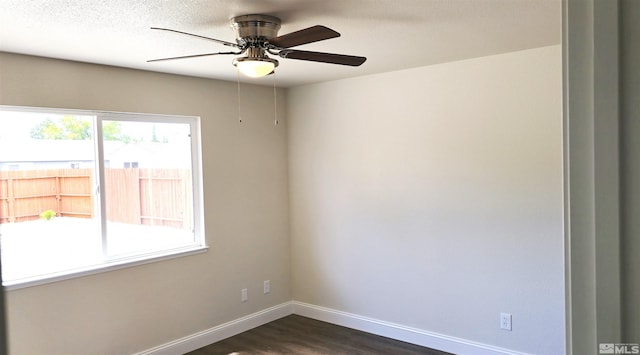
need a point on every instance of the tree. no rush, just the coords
(154, 135)
(67, 127)
(74, 128)
(112, 131)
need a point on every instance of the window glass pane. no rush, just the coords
(148, 186)
(47, 214)
(55, 193)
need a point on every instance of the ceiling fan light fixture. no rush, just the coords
(255, 67)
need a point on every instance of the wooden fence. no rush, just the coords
(134, 196)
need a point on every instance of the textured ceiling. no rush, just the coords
(392, 34)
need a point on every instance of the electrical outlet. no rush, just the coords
(267, 286)
(243, 295)
(505, 321)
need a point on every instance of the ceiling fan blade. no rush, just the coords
(191, 56)
(194, 35)
(332, 58)
(304, 36)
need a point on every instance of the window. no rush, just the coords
(81, 191)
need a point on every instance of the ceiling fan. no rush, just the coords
(257, 35)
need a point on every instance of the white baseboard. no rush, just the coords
(397, 331)
(223, 331)
(350, 320)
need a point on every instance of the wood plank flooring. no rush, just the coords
(304, 336)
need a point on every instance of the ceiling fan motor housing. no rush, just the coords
(255, 28)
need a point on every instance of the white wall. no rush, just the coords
(246, 216)
(432, 198)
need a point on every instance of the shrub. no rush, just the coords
(48, 215)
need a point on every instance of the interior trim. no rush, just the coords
(345, 319)
(398, 332)
(104, 267)
(220, 332)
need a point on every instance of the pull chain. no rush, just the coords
(275, 100)
(238, 78)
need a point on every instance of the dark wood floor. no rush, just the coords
(299, 335)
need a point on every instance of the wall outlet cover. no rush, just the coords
(505, 321)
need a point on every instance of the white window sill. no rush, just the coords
(103, 267)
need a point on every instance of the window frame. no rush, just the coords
(110, 263)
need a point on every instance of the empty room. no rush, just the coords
(458, 175)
